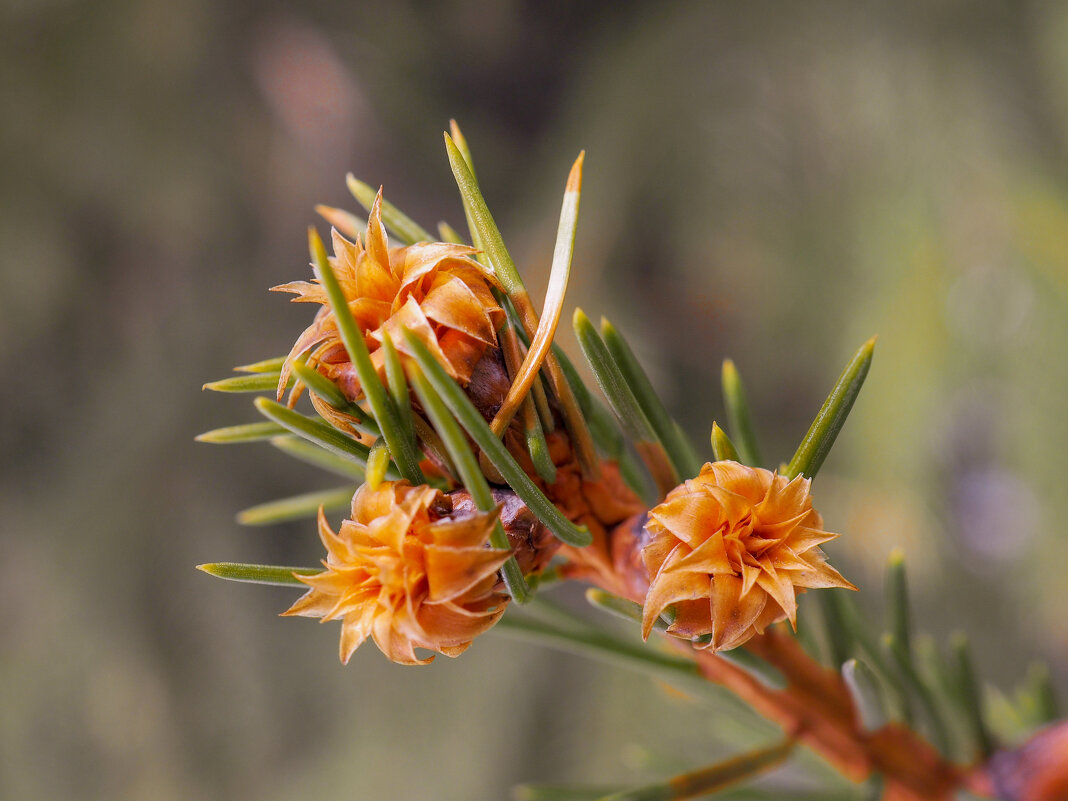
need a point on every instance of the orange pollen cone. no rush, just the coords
(730, 550)
(408, 572)
(436, 290)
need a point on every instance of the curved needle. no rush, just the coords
(554, 302)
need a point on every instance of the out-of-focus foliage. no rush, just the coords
(763, 181)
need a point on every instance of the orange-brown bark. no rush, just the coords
(815, 707)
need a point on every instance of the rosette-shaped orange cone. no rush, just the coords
(408, 573)
(434, 289)
(729, 550)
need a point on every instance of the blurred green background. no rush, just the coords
(767, 181)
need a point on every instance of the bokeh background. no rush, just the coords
(772, 182)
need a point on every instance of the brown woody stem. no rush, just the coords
(815, 707)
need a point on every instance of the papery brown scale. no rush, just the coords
(489, 383)
(627, 541)
(533, 544)
(601, 504)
